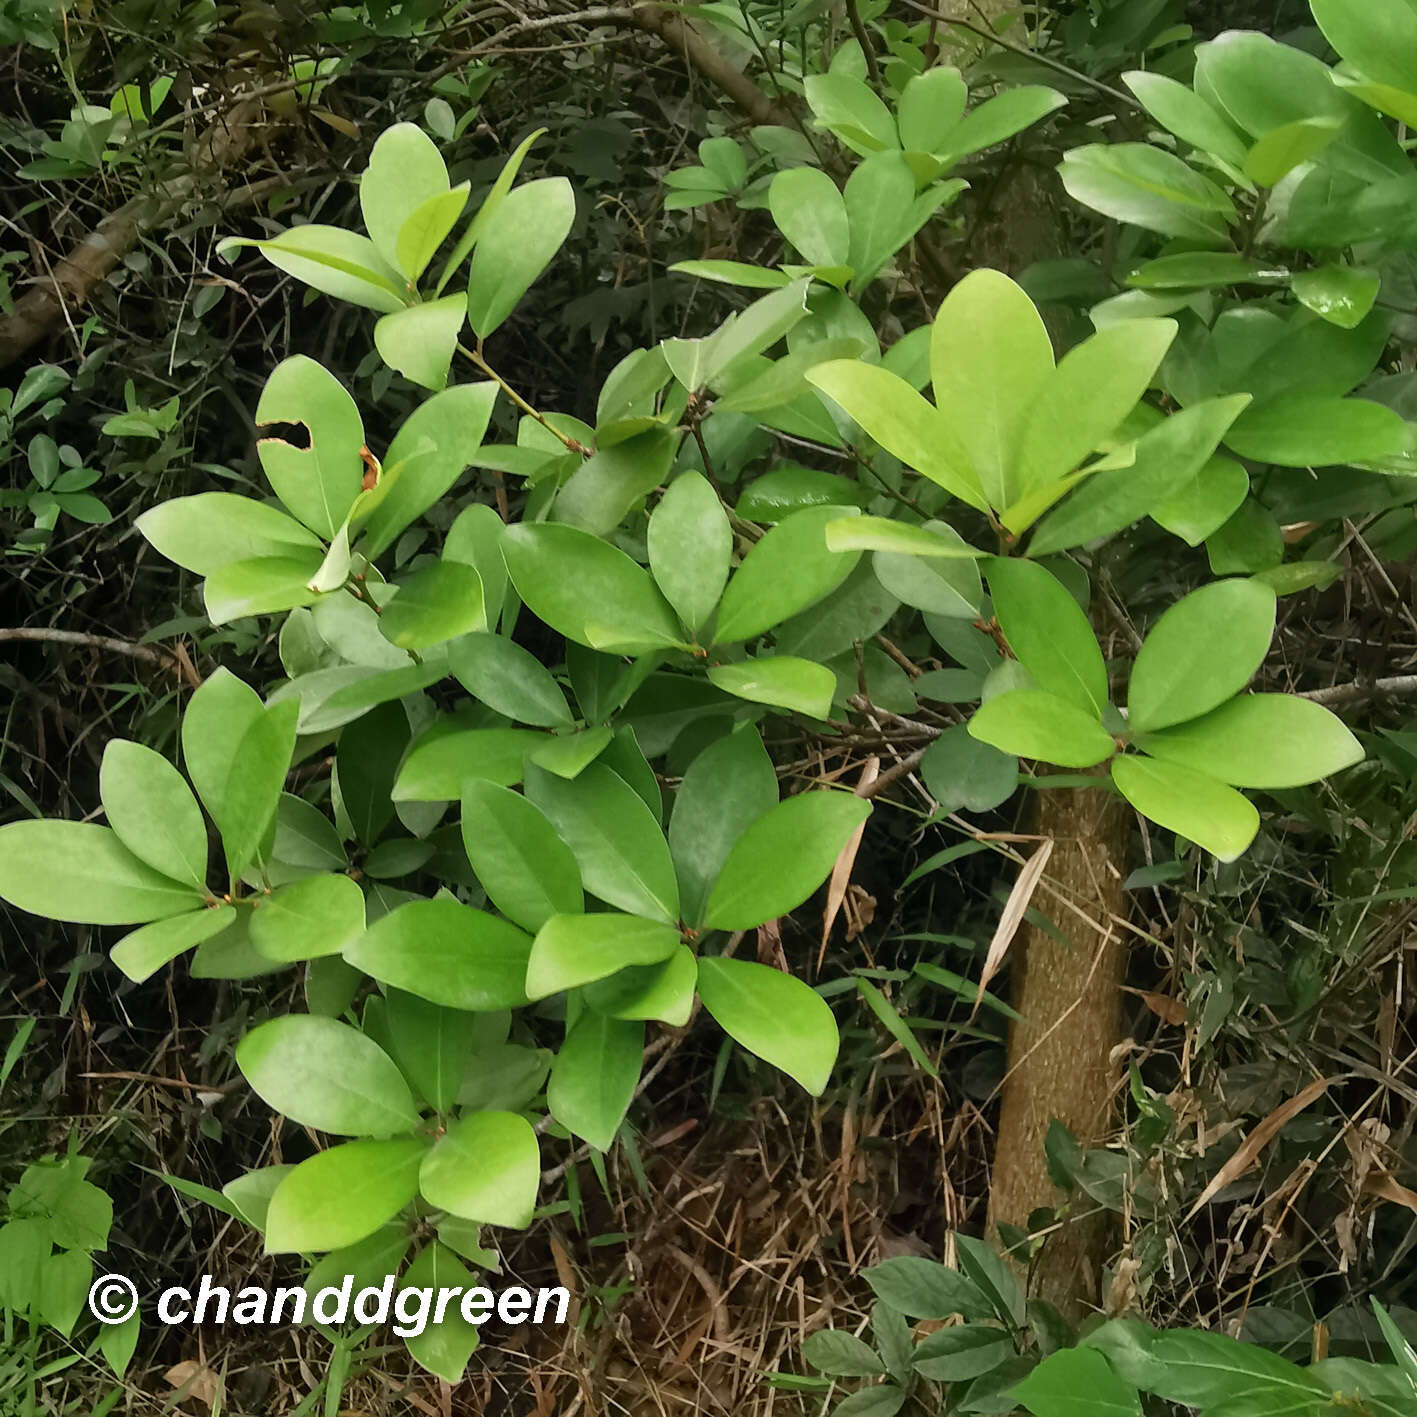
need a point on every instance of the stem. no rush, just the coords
(873, 68)
(475, 355)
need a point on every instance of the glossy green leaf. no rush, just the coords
(1048, 632)
(934, 539)
(895, 416)
(324, 1074)
(733, 273)
(334, 261)
(1202, 651)
(485, 1167)
(1379, 41)
(1259, 740)
(1095, 386)
(623, 856)
(781, 680)
(1030, 723)
(790, 569)
(571, 950)
(664, 992)
(152, 811)
(340, 1196)
(1147, 187)
(447, 953)
(509, 679)
(774, 1016)
(962, 1351)
(1169, 459)
(1301, 430)
(1339, 294)
(1076, 1382)
(317, 483)
(690, 546)
(882, 213)
(841, 1355)
(308, 919)
(594, 1076)
(571, 753)
(1192, 804)
(1207, 503)
(937, 586)
(143, 952)
(210, 530)
(496, 195)
(448, 756)
(852, 112)
(999, 118)
(442, 1348)
(962, 771)
(426, 227)
(431, 1043)
(431, 449)
(1179, 110)
(1203, 270)
(517, 244)
(782, 857)
(83, 873)
(405, 170)
(439, 602)
(931, 105)
(590, 591)
(528, 872)
(261, 587)
(1282, 149)
(420, 342)
(1209, 1370)
(809, 211)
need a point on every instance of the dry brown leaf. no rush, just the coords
(1012, 917)
(841, 871)
(1257, 1140)
(1387, 1188)
(1167, 1009)
(198, 1379)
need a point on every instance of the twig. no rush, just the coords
(1357, 692)
(178, 661)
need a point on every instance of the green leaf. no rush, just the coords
(432, 448)
(442, 1348)
(486, 1167)
(697, 363)
(961, 1352)
(1147, 187)
(528, 872)
(1048, 632)
(841, 1355)
(420, 342)
(1282, 149)
(324, 1074)
(1076, 1382)
(594, 1077)
(657, 991)
(774, 1016)
(490, 203)
(1207, 504)
(733, 273)
(431, 1043)
(571, 950)
(152, 811)
(83, 873)
(602, 490)
(990, 357)
(426, 227)
(883, 1400)
(63, 1286)
(790, 569)
(1177, 108)
(262, 587)
(1339, 294)
(809, 211)
(784, 490)
(999, 118)
(1192, 804)
(1302, 430)
(587, 589)
(1203, 270)
(405, 170)
(447, 953)
(1208, 1369)
(924, 1289)
(141, 954)
(931, 104)
(881, 209)
(961, 771)
(782, 857)
(213, 529)
(690, 547)
(935, 585)
(934, 539)
(308, 919)
(509, 679)
(440, 602)
(570, 754)
(1169, 459)
(895, 416)
(317, 483)
(1097, 384)
(333, 261)
(1379, 41)
(448, 756)
(517, 244)
(1259, 740)
(851, 111)
(726, 788)
(342, 1195)
(781, 680)
(623, 856)
(1032, 724)
(1202, 651)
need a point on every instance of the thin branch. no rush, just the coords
(1398, 684)
(177, 661)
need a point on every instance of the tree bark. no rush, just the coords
(1060, 1052)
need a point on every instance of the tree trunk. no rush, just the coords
(1060, 1053)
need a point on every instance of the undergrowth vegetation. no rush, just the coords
(748, 660)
